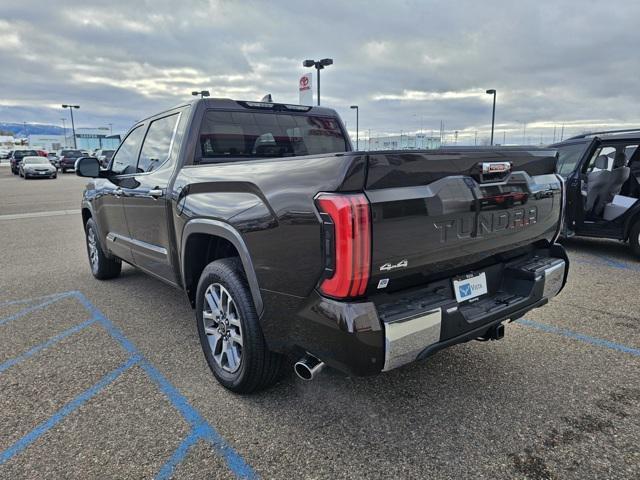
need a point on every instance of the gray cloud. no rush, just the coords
(407, 64)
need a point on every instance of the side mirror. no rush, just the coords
(87, 167)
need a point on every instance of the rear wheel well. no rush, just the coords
(200, 250)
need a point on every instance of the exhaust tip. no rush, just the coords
(303, 371)
(308, 367)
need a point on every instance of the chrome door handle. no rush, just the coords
(156, 192)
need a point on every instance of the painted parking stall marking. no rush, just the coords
(200, 429)
(598, 342)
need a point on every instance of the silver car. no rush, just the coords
(35, 167)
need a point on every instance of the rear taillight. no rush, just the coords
(347, 244)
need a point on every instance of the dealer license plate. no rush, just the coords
(470, 288)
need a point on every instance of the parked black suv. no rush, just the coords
(287, 242)
(602, 175)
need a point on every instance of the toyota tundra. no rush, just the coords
(288, 243)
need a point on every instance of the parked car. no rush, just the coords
(54, 159)
(42, 153)
(287, 242)
(37, 167)
(4, 154)
(67, 159)
(17, 156)
(602, 175)
(104, 156)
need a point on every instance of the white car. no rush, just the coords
(37, 167)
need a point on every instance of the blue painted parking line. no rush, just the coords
(30, 300)
(599, 342)
(200, 428)
(69, 408)
(605, 261)
(52, 341)
(33, 308)
(617, 264)
(168, 468)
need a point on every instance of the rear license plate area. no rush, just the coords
(468, 288)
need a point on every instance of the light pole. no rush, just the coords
(319, 65)
(73, 125)
(111, 129)
(64, 129)
(202, 93)
(355, 107)
(493, 115)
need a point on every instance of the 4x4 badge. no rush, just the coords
(390, 266)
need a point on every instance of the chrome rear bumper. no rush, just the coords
(406, 338)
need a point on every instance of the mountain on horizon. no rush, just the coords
(19, 130)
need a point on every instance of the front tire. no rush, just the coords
(229, 330)
(102, 267)
(634, 238)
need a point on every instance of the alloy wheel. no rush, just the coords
(223, 328)
(93, 249)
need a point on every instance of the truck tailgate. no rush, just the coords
(435, 214)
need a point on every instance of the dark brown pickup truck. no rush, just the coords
(287, 242)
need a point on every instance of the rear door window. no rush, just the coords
(157, 144)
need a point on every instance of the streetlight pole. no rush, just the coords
(493, 114)
(319, 65)
(73, 125)
(111, 129)
(355, 107)
(64, 129)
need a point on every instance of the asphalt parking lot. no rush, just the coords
(107, 379)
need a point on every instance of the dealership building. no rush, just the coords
(417, 141)
(86, 139)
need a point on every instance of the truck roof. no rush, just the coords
(244, 105)
(628, 133)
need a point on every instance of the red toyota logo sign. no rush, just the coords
(304, 83)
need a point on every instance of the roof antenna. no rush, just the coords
(267, 98)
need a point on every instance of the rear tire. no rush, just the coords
(634, 238)
(256, 367)
(102, 267)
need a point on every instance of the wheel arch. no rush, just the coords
(87, 213)
(218, 237)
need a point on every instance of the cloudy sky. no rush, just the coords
(407, 64)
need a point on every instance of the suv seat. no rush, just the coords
(604, 184)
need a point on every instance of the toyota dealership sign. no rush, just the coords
(305, 89)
